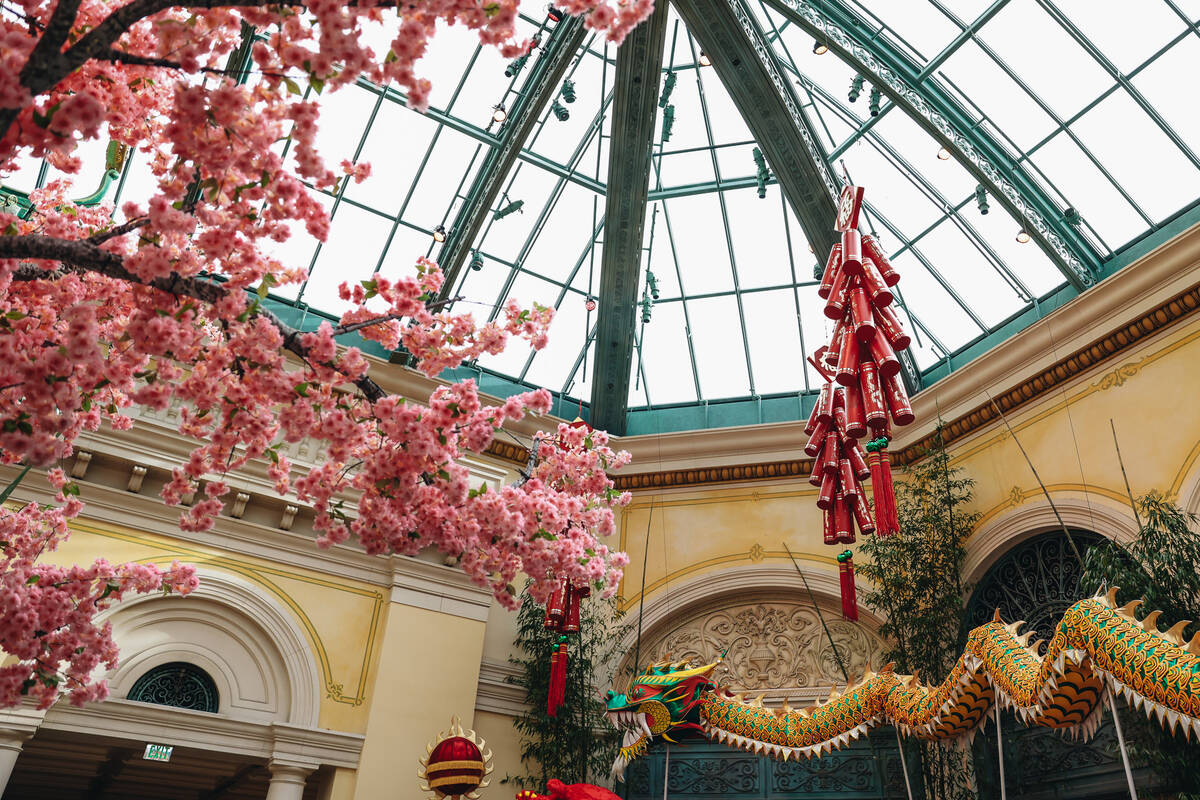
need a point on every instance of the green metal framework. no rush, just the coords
(1098, 163)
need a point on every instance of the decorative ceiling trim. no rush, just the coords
(930, 107)
(1116, 342)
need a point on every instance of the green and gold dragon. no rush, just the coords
(1096, 648)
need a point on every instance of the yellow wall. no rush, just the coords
(497, 731)
(1149, 393)
(342, 619)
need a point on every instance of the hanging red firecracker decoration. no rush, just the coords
(562, 616)
(845, 561)
(558, 678)
(863, 395)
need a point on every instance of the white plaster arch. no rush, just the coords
(739, 582)
(256, 653)
(1001, 533)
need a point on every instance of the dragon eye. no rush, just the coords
(610, 694)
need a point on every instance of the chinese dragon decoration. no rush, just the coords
(863, 394)
(1096, 648)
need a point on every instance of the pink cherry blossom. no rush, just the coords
(102, 313)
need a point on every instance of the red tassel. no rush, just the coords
(893, 514)
(849, 595)
(558, 678)
(886, 522)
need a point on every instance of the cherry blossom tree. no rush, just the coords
(104, 311)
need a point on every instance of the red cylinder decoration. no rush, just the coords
(857, 460)
(852, 252)
(832, 267)
(843, 525)
(849, 483)
(830, 455)
(872, 281)
(864, 320)
(828, 488)
(554, 608)
(846, 579)
(862, 516)
(835, 305)
(825, 404)
(872, 250)
(817, 474)
(811, 425)
(817, 440)
(577, 594)
(902, 413)
(835, 344)
(830, 536)
(847, 367)
(874, 409)
(570, 612)
(839, 411)
(856, 423)
(883, 356)
(889, 324)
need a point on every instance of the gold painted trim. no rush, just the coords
(1103, 349)
(1018, 496)
(333, 691)
(624, 604)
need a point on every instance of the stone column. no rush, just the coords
(11, 742)
(287, 780)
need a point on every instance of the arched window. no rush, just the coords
(1036, 581)
(178, 684)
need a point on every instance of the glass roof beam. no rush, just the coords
(894, 74)
(737, 289)
(728, 31)
(491, 140)
(635, 107)
(1115, 73)
(966, 32)
(545, 74)
(706, 187)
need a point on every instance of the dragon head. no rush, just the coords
(661, 701)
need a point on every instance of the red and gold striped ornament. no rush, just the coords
(456, 764)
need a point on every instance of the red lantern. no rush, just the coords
(456, 765)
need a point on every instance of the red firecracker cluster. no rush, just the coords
(863, 395)
(562, 616)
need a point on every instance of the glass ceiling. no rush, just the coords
(1094, 103)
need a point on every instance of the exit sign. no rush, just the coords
(158, 752)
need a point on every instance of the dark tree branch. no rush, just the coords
(81, 255)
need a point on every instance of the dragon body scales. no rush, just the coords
(1097, 648)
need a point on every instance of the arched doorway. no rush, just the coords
(1036, 581)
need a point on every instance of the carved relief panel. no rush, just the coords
(771, 645)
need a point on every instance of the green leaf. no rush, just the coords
(292, 86)
(10, 229)
(317, 84)
(302, 388)
(33, 579)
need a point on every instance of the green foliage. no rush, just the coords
(1160, 567)
(579, 745)
(916, 575)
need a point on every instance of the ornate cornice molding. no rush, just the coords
(495, 693)
(1116, 342)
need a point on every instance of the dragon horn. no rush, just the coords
(996, 616)
(1037, 646)
(1150, 623)
(1111, 598)
(1193, 646)
(1130, 609)
(1175, 633)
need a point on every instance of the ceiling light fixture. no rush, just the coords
(856, 87)
(560, 111)
(498, 113)
(705, 61)
(568, 91)
(981, 200)
(476, 260)
(874, 105)
(439, 233)
(943, 154)
(819, 48)
(1023, 236)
